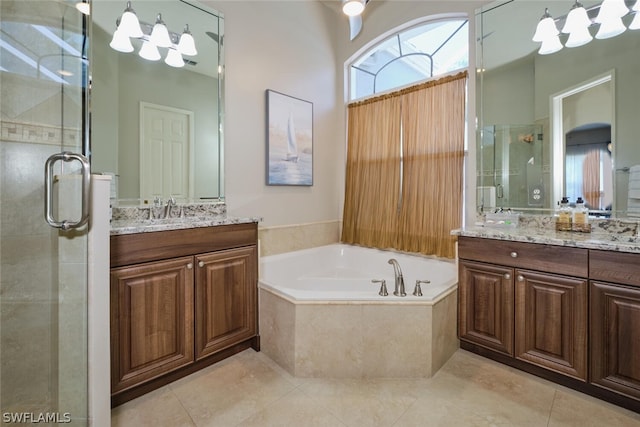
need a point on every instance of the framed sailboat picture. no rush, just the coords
(289, 140)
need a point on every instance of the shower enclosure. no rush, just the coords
(43, 270)
(511, 167)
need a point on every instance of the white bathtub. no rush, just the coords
(320, 315)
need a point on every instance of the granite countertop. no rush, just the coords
(609, 241)
(132, 226)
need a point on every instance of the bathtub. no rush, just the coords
(320, 315)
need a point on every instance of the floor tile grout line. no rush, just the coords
(553, 402)
(170, 387)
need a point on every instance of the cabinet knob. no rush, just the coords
(520, 278)
(190, 265)
(514, 254)
(507, 276)
(201, 264)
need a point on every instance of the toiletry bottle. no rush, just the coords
(563, 222)
(581, 217)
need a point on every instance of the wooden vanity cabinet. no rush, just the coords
(515, 299)
(180, 300)
(615, 322)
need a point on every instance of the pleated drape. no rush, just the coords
(418, 131)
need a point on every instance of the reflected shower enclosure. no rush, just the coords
(511, 167)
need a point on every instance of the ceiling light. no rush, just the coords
(84, 7)
(160, 34)
(353, 7)
(187, 45)
(149, 51)
(129, 23)
(546, 28)
(174, 58)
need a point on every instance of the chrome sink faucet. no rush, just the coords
(399, 280)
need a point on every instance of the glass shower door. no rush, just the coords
(43, 270)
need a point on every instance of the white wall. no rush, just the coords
(299, 48)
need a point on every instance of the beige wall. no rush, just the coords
(299, 48)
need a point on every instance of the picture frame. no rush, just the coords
(289, 159)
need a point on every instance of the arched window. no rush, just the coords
(418, 53)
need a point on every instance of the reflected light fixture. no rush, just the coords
(152, 37)
(353, 7)
(149, 51)
(129, 23)
(635, 24)
(577, 26)
(187, 45)
(84, 7)
(174, 59)
(121, 42)
(546, 28)
(160, 33)
(610, 19)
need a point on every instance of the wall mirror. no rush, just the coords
(538, 114)
(158, 128)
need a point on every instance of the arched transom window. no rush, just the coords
(418, 53)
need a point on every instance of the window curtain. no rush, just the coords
(404, 173)
(373, 173)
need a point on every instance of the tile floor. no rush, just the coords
(249, 389)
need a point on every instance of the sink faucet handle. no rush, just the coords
(383, 287)
(417, 291)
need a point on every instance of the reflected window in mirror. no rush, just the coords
(430, 49)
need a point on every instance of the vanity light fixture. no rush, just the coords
(635, 24)
(610, 18)
(577, 26)
(153, 37)
(547, 33)
(577, 23)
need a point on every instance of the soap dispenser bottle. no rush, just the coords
(563, 222)
(581, 217)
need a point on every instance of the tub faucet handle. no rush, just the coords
(383, 287)
(417, 291)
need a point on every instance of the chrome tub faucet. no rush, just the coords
(399, 280)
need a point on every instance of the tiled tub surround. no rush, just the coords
(330, 335)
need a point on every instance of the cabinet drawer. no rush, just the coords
(128, 249)
(554, 259)
(617, 267)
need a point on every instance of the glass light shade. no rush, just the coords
(611, 10)
(353, 7)
(84, 7)
(610, 29)
(174, 58)
(545, 30)
(129, 23)
(160, 34)
(149, 51)
(186, 45)
(550, 45)
(121, 42)
(579, 37)
(577, 19)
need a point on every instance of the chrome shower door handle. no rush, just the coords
(48, 190)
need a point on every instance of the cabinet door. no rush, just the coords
(226, 305)
(551, 322)
(151, 320)
(615, 338)
(486, 305)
